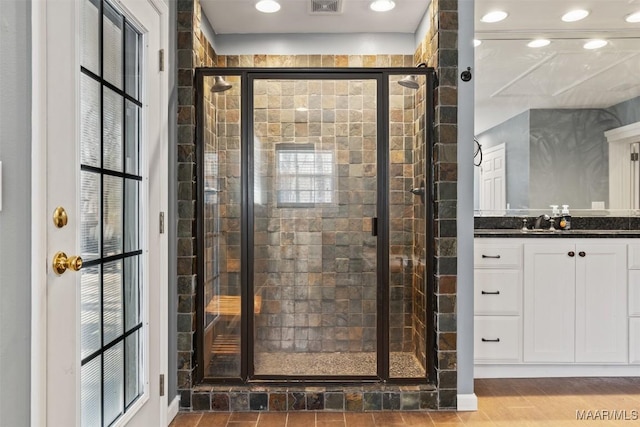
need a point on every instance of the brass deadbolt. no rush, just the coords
(61, 263)
(60, 217)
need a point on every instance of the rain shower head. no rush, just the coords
(409, 81)
(220, 84)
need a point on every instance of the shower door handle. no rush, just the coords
(374, 226)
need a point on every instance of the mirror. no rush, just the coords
(549, 119)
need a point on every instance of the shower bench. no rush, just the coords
(230, 307)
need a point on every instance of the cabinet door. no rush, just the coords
(549, 302)
(601, 309)
(634, 340)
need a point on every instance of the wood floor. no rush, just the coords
(551, 402)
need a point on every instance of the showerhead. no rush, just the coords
(220, 84)
(409, 81)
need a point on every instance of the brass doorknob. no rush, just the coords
(61, 262)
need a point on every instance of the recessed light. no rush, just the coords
(382, 5)
(595, 44)
(476, 42)
(575, 15)
(495, 16)
(539, 43)
(268, 6)
(633, 18)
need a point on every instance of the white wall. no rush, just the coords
(316, 44)
(172, 374)
(15, 221)
(465, 200)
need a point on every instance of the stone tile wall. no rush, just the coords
(402, 262)
(439, 50)
(334, 398)
(419, 272)
(193, 51)
(315, 266)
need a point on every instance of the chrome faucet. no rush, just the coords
(538, 224)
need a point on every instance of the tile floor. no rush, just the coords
(549, 402)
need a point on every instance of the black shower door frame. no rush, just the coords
(381, 76)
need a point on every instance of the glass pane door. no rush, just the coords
(111, 179)
(221, 207)
(407, 232)
(314, 254)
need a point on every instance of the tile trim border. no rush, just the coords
(349, 399)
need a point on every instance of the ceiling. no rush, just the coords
(509, 76)
(241, 17)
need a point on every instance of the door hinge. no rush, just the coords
(161, 385)
(161, 222)
(161, 60)
(634, 157)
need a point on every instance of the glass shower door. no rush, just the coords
(222, 305)
(314, 258)
(407, 227)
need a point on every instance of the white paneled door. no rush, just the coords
(493, 180)
(102, 99)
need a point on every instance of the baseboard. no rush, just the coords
(172, 411)
(467, 402)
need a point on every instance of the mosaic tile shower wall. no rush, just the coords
(402, 262)
(315, 266)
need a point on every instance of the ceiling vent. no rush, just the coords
(325, 7)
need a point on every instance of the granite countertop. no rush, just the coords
(588, 227)
(496, 232)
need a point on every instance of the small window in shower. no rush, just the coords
(305, 177)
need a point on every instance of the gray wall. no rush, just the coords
(569, 157)
(515, 134)
(465, 201)
(627, 112)
(15, 218)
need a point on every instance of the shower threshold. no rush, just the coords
(402, 364)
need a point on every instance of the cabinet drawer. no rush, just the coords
(497, 256)
(497, 291)
(634, 292)
(633, 257)
(634, 340)
(497, 338)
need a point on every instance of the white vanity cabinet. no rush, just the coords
(549, 302)
(634, 304)
(575, 302)
(498, 302)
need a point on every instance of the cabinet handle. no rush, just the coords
(490, 293)
(582, 253)
(486, 340)
(491, 256)
(571, 254)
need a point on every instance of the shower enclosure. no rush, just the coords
(314, 225)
